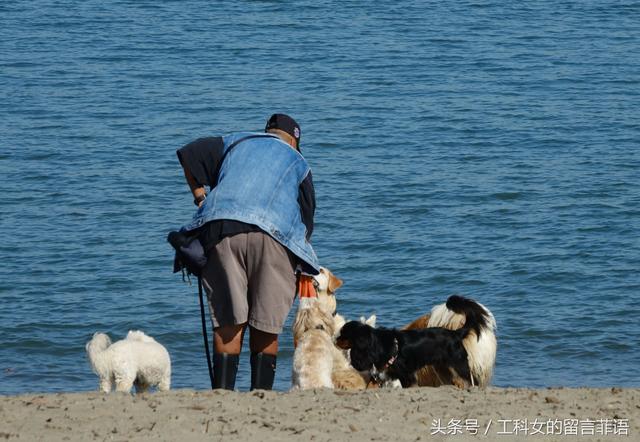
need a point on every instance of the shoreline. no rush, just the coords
(326, 415)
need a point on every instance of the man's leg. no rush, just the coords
(262, 342)
(271, 290)
(264, 350)
(225, 281)
(227, 341)
(228, 338)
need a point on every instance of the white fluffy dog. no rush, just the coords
(137, 360)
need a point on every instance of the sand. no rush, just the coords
(325, 415)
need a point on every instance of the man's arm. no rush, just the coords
(200, 160)
(307, 202)
(199, 194)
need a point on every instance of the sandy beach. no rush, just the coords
(324, 415)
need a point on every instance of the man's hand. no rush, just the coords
(199, 194)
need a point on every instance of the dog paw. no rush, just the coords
(459, 383)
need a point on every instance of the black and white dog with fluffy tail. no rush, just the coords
(391, 354)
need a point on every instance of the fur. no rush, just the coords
(326, 284)
(343, 375)
(317, 362)
(312, 332)
(136, 360)
(398, 354)
(481, 352)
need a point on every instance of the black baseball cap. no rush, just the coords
(285, 123)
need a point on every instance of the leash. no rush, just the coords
(377, 376)
(204, 331)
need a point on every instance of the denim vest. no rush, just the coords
(258, 184)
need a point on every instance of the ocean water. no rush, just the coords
(484, 148)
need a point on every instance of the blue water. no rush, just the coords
(486, 148)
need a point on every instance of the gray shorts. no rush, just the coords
(250, 277)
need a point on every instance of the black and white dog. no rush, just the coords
(391, 354)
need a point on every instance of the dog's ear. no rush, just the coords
(344, 338)
(372, 320)
(334, 283)
(378, 350)
(360, 352)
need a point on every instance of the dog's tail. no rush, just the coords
(481, 348)
(477, 318)
(137, 335)
(98, 344)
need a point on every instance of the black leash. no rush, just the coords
(204, 331)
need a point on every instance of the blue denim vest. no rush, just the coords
(258, 184)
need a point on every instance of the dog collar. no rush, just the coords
(394, 355)
(378, 377)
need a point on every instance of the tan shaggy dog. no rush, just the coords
(317, 362)
(326, 284)
(313, 337)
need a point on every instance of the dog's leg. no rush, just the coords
(105, 384)
(124, 384)
(399, 371)
(459, 382)
(165, 383)
(407, 378)
(141, 386)
(394, 384)
(460, 374)
(407, 381)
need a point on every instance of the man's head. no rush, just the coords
(286, 128)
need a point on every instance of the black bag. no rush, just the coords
(189, 252)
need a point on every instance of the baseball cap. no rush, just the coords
(285, 123)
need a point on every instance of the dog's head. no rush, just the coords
(313, 317)
(361, 340)
(326, 284)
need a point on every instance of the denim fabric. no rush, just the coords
(258, 184)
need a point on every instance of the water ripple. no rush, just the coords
(480, 148)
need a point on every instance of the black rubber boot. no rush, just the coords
(263, 370)
(225, 367)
